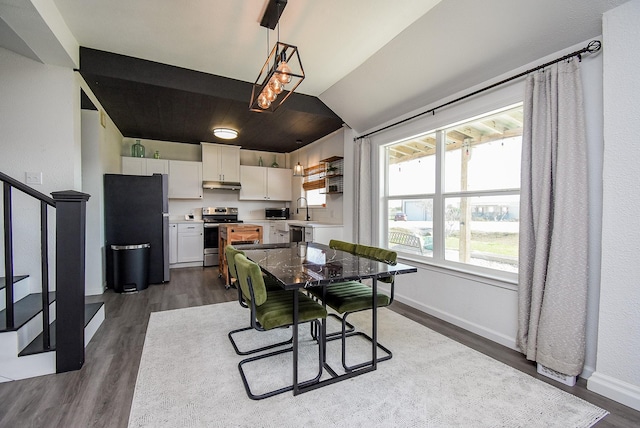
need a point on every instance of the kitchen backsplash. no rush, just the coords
(248, 210)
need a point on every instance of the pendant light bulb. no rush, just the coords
(268, 92)
(263, 101)
(285, 73)
(276, 86)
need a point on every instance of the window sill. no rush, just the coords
(505, 280)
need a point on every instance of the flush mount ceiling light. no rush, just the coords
(282, 72)
(225, 133)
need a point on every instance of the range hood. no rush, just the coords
(223, 185)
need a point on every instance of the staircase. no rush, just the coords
(43, 331)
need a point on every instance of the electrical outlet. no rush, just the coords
(33, 178)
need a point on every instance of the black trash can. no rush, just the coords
(130, 267)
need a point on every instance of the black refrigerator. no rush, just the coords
(136, 211)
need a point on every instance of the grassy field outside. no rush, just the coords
(504, 244)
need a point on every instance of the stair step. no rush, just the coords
(36, 347)
(16, 278)
(24, 310)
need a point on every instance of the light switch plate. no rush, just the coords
(33, 178)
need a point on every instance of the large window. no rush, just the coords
(452, 194)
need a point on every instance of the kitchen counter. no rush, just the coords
(311, 223)
(178, 220)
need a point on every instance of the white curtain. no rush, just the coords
(552, 293)
(362, 186)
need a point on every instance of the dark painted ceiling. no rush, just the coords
(149, 100)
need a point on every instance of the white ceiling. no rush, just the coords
(224, 37)
(370, 61)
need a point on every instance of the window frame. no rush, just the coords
(509, 96)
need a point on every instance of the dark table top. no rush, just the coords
(298, 265)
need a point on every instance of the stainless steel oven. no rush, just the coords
(212, 217)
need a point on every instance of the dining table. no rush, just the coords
(301, 265)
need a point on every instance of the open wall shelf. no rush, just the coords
(334, 175)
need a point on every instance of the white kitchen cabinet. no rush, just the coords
(278, 233)
(190, 246)
(144, 166)
(173, 243)
(185, 180)
(262, 183)
(220, 163)
(157, 166)
(134, 166)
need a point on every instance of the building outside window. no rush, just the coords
(452, 194)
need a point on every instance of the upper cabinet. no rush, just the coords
(185, 180)
(220, 163)
(144, 166)
(261, 183)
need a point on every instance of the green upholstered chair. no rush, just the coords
(354, 296)
(230, 253)
(274, 309)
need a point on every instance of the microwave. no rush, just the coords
(276, 213)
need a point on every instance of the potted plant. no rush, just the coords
(331, 170)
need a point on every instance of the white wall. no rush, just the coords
(617, 373)
(100, 155)
(40, 129)
(91, 184)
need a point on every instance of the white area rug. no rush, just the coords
(188, 377)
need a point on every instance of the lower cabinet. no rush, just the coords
(186, 244)
(277, 234)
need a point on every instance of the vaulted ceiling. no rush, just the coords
(171, 70)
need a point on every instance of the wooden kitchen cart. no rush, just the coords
(235, 234)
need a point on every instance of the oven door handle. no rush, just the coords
(211, 225)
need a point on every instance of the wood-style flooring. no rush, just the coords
(100, 394)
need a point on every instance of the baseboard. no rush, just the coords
(615, 389)
(93, 325)
(502, 339)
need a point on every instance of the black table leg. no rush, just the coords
(295, 343)
(374, 323)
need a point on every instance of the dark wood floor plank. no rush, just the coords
(100, 394)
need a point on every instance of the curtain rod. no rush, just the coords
(593, 46)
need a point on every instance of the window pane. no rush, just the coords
(483, 231)
(484, 154)
(316, 197)
(412, 166)
(410, 226)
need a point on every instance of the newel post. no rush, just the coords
(71, 210)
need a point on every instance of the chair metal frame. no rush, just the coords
(256, 325)
(289, 341)
(348, 332)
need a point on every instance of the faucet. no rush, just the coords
(306, 203)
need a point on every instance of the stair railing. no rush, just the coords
(70, 269)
